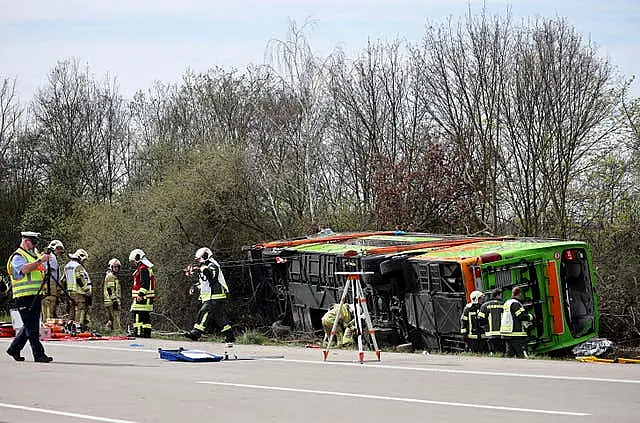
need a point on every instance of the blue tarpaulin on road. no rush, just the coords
(188, 355)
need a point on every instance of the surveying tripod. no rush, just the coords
(361, 313)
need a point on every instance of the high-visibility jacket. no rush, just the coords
(211, 282)
(490, 315)
(469, 321)
(111, 288)
(77, 277)
(343, 315)
(144, 286)
(513, 314)
(30, 283)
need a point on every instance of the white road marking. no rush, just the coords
(82, 345)
(399, 399)
(64, 413)
(376, 366)
(467, 372)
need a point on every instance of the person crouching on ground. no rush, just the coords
(345, 328)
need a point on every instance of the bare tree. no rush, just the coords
(82, 132)
(462, 71)
(10, 112)
(302, 83)
(579, 95)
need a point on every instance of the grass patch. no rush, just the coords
(253, 337)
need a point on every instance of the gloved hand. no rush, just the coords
(192, 290)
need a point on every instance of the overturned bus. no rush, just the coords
(417, 284)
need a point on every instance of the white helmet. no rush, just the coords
(136, 255)
(475, 296)
(55, 244)
(203, 254)
(80, 255)
(113, 263)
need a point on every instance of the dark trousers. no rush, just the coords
(476, 345)
(142, 323)
(515, 346)
(496, 345)
(30, 329)
(212, 317)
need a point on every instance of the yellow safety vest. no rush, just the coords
(74, 270)
(30, 283)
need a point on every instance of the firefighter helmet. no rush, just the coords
(475, 296)
(113, 263)
(80, 255)
(136, 255)
(54, 245)
(203, 254)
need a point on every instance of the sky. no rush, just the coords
(142, 41)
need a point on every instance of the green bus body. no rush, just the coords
(417, 284)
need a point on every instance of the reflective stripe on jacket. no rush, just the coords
(30, 283)
(77, 278)
(469, 321)
(490, 315)
(111, 288)
(144, 284)
(212, 284)
(513, 315)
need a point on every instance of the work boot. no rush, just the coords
(16, 355)
(193, 334)
(43, 359)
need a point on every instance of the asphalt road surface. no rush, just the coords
(126, 381)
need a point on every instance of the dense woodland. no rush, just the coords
(485, 125)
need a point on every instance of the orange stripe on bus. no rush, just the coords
(555, 305)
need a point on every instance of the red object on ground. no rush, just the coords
(7, 333)
(312, 346)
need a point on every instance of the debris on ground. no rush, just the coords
(593, 347)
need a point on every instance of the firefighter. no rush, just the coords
(511, 325)
(79, 287)
(143, 293)
(112, 294)
(490, 315)
(26, 270)
(213, 294)
(52, 288)
(470, 325)
(346, 323)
